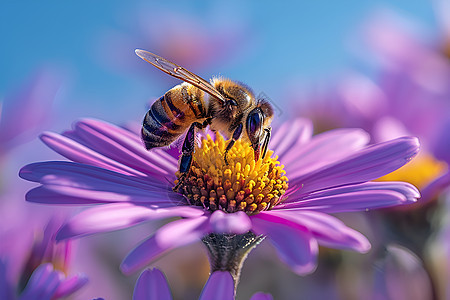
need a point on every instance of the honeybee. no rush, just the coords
(225, 105)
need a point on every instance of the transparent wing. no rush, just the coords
(179, 72)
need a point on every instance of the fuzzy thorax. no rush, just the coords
(242, 185)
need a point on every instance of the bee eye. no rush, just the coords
(254, 125)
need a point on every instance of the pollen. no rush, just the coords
(420, 171)
(242, 185)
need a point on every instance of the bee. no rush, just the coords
(225, 105)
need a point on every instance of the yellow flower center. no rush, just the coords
(420, 171)
(242, 185)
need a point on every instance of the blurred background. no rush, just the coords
(380, 65)
(268, 46)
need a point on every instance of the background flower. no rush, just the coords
(40, 268)
(400, 275)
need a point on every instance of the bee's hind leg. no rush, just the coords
(188, 149)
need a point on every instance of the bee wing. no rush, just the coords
(179, 72)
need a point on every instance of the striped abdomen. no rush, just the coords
(172, 114)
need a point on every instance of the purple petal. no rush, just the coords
(441, 143)
(238, 222)
(42, 284)
(328, 230)
(219, 286)
(71, 285)
(408, 190)
(36, 171)
(294, 243)
(435, 187)
(116, 143)
(44, 195)
(353, 201)
(159, 153)
(152, 285)
(368, 164)
(75, 171)
(401, 275)
(261, 296)
(168, 237)
(324, 149)
(92, 183)
(291, 135)
(82, 154)
(110, 217)
(6, 287)
(54, 194)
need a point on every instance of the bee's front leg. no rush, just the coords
(236, 135)
(267, 130)
(188, 149)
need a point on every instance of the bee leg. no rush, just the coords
(236, 135)
(266, 141)
(188, 149)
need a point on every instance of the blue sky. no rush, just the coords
(297, 39)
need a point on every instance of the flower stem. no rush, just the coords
(227, 252)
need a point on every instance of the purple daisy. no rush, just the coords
(127, 185)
